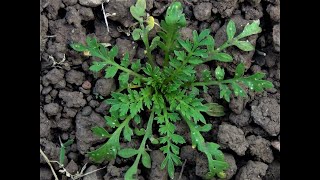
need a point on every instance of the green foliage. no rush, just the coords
(169, 93)
(62, 153)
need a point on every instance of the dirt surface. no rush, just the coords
(71, 97)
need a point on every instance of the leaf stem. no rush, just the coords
(125, 69)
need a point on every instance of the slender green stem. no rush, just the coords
(141, 149)
(126, 69)
(210, 83)
(169, 43)
(173, 75)
(145, 39)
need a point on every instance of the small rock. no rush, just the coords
(64, 124)
(72, 99)
(126, 46)
(255, 68)
(103, 108)
(189, 153)
(274, 12)
(84, 91)
(186, 33)
(122, 13)
(242, 119)
(52, 109)
(52, 77)
(90, 3)
(84, 135)
(94, 103)
(46, 90)
(253, 170)
(104, 86)
(70, 2)
(73, 17)
(201, 165)
(260, 148)
(225, 7)
(93, 176)
(86, 85)
(75, 77)
(45, 125)
(215, 26)
(202, 11)
(61, 84)
(237, 104)
(48, 99)
(273, 171)
(53, 93)
(254, 2)
(267, 115)
(233, 137)
(276, 145)
(65, 136)
(86, 111)
(156, 172)
(276, 37)
(231, 171)
(45, 174)
(73, 156)
(86, 14)
(69, 112)
(149, 4)
(72, 167)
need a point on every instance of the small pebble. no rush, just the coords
(86, 85)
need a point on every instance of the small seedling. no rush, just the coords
(63, 150)
(63, 170)
(168, 93)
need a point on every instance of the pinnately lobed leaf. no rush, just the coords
(169, 92)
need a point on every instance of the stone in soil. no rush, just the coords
(274, 12)
(231, 171)
(267, 115)
(53, 77)
(225, 8)
(233, 138)
(155, 172)
(121, 10)
(90, 3)
(97, 175)
(75, 77)
(188, 153)
(51, 150)
(72, 99)
(242, 119)
(45, 125)
(104, 86)
(103, 108)
(253, 170)
(84, 135)
(64, 124)
(45, 174)
(52, 109)
(273, 172)
(260, 148)
(276, 37)
(202, 11)
(72, 167)
(126, 46)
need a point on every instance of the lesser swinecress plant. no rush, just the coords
(169, 93)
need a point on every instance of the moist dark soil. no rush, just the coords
(71, 97)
